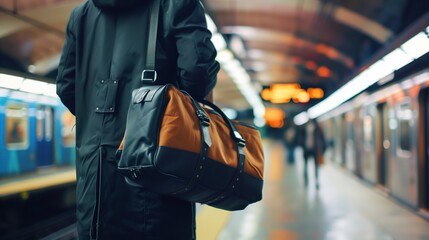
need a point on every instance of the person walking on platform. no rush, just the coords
(314, 146)
(101, 63)
(290, 140)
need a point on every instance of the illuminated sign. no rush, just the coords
(284, 93)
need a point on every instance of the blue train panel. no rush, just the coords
(65, 135)
(44, 136)
(35, 131)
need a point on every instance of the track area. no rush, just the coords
(36, 204)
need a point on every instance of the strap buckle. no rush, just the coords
(203, 118)
(149, 75)
(239, 139)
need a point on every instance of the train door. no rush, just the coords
(383, 144)
(350, 151)
(368, 156)
(339, 140)
(404, 176)
(44, 133)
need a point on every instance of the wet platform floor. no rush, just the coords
(344, 208)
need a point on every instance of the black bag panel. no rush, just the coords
(106, 95)
(232, 203)
(176, 161)
(153, 180)
(249, 187)
(141, 139)
(160, 178)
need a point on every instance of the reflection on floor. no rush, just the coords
(343, 208)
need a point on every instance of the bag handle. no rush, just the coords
(149, 73)
(241, 143)
(234, 132)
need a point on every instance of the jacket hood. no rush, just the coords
(117, 4)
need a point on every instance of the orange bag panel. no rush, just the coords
(224, 150)
(180, 113)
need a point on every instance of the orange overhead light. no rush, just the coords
(276, 124)
(274, 117)
(328, 51)
(321, 48)
(315, 93)
(324, 72)
(311, 65)
(274, 114)
(297, 60)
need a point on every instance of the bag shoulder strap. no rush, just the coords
(149, 72)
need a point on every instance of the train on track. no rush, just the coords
(36, 131)
(382, 136)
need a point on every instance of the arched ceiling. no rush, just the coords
(288, 41)
(315, 43)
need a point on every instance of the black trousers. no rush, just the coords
(308, 153)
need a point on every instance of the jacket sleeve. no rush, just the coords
(196, 54)
(66, 69)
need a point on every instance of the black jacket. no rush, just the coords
(102, 60)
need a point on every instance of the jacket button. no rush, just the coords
(102, 81)
(97, 108)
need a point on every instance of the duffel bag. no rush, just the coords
(177, 147)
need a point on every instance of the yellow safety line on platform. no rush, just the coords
(38, 182)
(276, 167)
(210, 222)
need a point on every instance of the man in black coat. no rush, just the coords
(102, 61)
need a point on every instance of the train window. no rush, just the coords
(367, 132)
(39, 125)
(16, 127)
(350, 126)
(405, 115)
(48, 124)
(68, 131)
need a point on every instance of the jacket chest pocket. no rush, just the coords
(106, 96)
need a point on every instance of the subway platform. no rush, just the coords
(344, 208)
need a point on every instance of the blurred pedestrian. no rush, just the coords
(101, 63)
(290, 143)
(314, 146)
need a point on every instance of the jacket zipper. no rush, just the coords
(95, 232)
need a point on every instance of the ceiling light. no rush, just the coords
(301, 119)
(417, 46)
(10, 81)
(224, 56)
(218, 41)
(51, 90)
(210, 24)
(397, 59)
(380, 70)
(33, 86)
